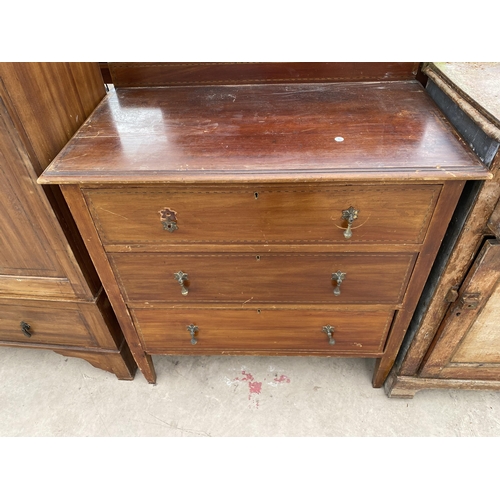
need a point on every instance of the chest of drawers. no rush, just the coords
(297, 219)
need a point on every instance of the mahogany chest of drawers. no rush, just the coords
(269, 219)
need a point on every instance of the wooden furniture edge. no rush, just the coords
(76, 202)
(119, 362)
(157, 74)
(463, 102)
(62, 250)
(444, 209)
(450, 336)
(405, 387)
(469, 240)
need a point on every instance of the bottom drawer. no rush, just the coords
(56, 323)
(261, 331)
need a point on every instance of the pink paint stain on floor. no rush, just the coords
(282, 379)
(255, 387)
(246, 376)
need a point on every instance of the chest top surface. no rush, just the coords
(335, 131)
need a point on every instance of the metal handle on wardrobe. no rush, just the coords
(25, 328)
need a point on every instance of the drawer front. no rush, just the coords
(241, 278)
(46, 323)
(256, 330)
(393, 214)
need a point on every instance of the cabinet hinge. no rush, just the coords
(452, 295)
(470, 300)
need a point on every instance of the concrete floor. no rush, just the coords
(45, 394)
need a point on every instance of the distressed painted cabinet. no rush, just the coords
(264, 209)
(50, 294)
(454, 338)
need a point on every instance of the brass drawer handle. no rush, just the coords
(328, 329)
(350, 215)
(25, 328)
(339, 276)
(168, 219)
(181, 278)
(192, 329)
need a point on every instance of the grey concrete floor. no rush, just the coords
(45, 394)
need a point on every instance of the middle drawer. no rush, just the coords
(278, 278)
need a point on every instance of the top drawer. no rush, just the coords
(392, 214)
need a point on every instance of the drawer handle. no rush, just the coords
(350, 215)
(328, 329)
(181, 278)
(192, 329)
(339, 276)
(168, 219)
(25, 328)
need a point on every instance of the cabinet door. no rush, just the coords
(468, 340)
(41, 107)
(28, 254)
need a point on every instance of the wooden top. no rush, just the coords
(479, 83)
(331, 131)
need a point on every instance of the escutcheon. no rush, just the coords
(168, 219)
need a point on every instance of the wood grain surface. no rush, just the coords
(52, 101)
(354, 132)
(457, 266)
(129, 74)
(41, 106)
(78, 207)
(452, 342)
(59, 323)
(226, 330)
(293, 213)
(264, 277)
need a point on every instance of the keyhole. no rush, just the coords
(257, 257)
(258, 311)
(256, 195)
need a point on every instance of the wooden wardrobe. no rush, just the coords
(50, 294)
